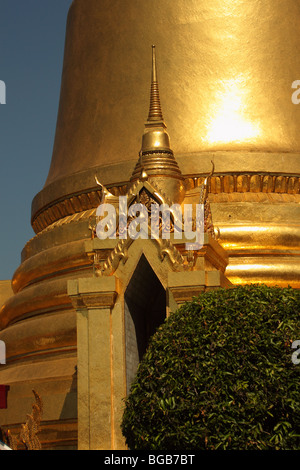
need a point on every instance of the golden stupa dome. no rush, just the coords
(226, 75)
(226, 71)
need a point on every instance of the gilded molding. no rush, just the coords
(248, 182)
(183, 294)
(219, 183)
(94, 300)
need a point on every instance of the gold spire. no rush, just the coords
(156, 159)
(155, 138)
(155, 113)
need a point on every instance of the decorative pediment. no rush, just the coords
(132, 215)
(144, 193)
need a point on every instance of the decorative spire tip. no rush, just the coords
(155, 112)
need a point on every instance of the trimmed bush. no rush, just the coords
(218, 374)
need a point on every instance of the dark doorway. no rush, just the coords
(145, 310)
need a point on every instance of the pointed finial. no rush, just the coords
(155, 113)
(155, 137)
(156, 158)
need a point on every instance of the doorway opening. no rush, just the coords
(145, 310)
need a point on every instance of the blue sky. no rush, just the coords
(32, 35)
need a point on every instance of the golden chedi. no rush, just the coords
(225, 76)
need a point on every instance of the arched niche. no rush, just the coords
(145, 310)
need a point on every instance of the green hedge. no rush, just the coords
(218, 374)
